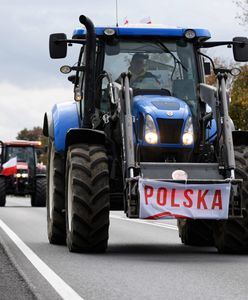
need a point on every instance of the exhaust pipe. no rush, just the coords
(90, 71)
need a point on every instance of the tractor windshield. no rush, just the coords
(23, 154)
(155, 65)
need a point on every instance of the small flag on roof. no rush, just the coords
(125, 21)
(146, 20)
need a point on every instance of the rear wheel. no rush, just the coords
(231, 236)
(2, 191)
(38, 198)
(87, 203)
(196, 232)
(55, 197)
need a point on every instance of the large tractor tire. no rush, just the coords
(231, 236)
(195, 232)
(55, 197)
(87, 198)
(38, 198)
(2, 191)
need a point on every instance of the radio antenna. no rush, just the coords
(116, 12)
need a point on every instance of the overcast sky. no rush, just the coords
(30, 82)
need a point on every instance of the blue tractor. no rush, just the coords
(145, 134)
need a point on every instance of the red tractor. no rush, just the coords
(21, 174)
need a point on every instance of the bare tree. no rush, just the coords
(243, 16)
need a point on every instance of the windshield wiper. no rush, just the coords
(163, 47)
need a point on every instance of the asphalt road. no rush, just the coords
(145, 260)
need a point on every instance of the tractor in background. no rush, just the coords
(21, 174)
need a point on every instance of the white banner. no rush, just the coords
(160, 199)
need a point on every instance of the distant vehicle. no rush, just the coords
(21, 174)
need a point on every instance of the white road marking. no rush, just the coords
(152, 223)
(61, 287)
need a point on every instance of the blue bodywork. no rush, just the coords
(64, 117)
(161, 107)
(202, 34)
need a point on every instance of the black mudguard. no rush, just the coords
(85, 135)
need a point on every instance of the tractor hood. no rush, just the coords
(165, 107)
(171, 117)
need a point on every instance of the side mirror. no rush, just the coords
(207, 68)
(58, 45)
(240, 49)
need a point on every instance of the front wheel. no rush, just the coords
(55, 197)
(196, 232)
(231, 236)
(38, 198)
(87, 198)
(2, 191)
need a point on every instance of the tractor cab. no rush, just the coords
(163, 75)
(162, 66)
(25, 154)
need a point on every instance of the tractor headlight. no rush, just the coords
(77, 94)
(24, 175)
(188, 133)
(151, 136)
(190, 34)
(109, 31)
(18, 175)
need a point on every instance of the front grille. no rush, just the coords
(170, 130)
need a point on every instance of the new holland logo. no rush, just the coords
(170, 113)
